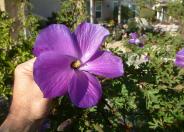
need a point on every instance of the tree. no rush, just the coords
(72, 13)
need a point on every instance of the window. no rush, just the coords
(98, 9)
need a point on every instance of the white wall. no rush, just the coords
(2, 5)
(107, 9)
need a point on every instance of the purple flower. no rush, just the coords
(146, 58)
(133, 38)
(133, 35)
(134, 41)
(66, 63)
(180, 58)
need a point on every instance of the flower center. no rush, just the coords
(76, 64)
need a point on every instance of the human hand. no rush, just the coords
(28, 104)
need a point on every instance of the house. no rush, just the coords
(161, 7)
(104, 9)
(161, 13)
(97, 9)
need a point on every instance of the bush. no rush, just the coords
(147, 13)
(149, 97)
(71, 13)
(157, 84)
(6, 45)
(132, 26)
(14, 52)
(126, 13)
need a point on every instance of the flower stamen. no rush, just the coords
(76, 64)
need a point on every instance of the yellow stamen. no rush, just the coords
(76, 64)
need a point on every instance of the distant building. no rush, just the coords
(97, 9)
(161, 14)
(104, 9)
(101, 9)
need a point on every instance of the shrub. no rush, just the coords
(147, 13)
(6, 45)
(132, 26)
(149, 97)
(157, 84)
(126, 13)
(14, 52)
(71, 13)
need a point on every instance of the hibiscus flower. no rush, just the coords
(68, 62)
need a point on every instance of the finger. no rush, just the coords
(29, 62)
(25, 68)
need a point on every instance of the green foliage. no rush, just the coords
(159, 82)
(176, 9)
(144, 9)
(132, 25)
(71, 13)
(5, 42)
(145, 3)
(14, 52)
(126, 13)
(147, 13)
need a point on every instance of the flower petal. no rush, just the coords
(52, 72)
(137, 41)
(90, 37)
(180, 58)
(56, 37)
(84, 90)
(134, 41)
(105, 64)
(131, 41)
(134, 35)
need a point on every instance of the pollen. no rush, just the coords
(76, 64)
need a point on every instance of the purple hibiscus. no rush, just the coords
(133, 35)
(134, 38)
(67, 62)
(180, 58)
